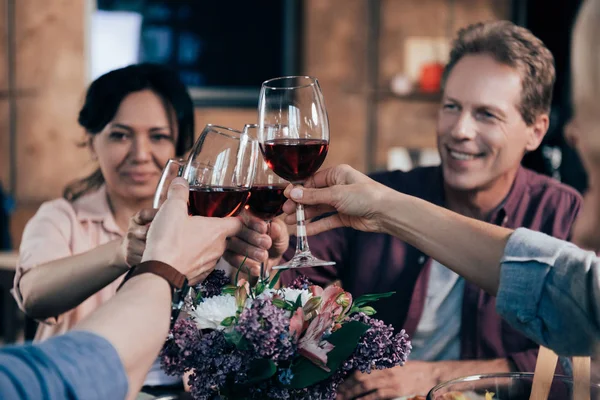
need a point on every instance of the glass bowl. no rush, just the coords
(505, 386)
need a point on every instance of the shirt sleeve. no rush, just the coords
(47, 237)
(550, 290)
(77, 365)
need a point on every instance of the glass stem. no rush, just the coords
(263, 273)
(301, 239)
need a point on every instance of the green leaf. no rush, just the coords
(259, 288)
(368, 310)
(198, 298)
(237, 274)
(279, 303)
(237, 339)
(345, 339)
(273, 281)
(228, 321)
(260, 370)
(368, 298)
(229, 289)
(298, 302)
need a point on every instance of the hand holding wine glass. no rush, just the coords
(294, 136)
(351, 199)
(220, 171)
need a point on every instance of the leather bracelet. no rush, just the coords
(178, 282)
(175, 278)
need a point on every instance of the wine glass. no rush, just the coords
(293, 132)
(266, 195)
(172, 170)
(220, 171)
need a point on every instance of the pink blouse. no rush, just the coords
(61, 229)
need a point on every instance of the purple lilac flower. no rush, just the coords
(179, 347)
(213, 284)
(216, 364)
(301, 282)
(379, 348)
(266, 330)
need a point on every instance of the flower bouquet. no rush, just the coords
(297, 342)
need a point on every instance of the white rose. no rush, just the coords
(212, 311)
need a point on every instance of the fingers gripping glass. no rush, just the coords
(266, 195)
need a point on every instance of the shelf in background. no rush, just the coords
(414, 96)
(385, 94)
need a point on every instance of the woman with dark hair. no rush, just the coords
(75, 250)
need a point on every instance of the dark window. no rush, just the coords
(223, 50)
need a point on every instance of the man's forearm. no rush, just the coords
(469, 247)
(58, 286)
(136, 322)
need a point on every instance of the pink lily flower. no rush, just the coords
(297, 324)
(311, 344)
(335, 301)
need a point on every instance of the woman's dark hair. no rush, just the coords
(104, 96)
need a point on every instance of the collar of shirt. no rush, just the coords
(94, 207)
(500, 215)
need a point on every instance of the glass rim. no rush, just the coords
(222, 130)
(312, 82)
(177, 160)
(480, 377)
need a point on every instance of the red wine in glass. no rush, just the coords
(266, 202)
(217, 201)
(295, 159)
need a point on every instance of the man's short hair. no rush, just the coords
(516, 47)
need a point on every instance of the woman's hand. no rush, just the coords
(134, 242)
(254, 245)
(354, 199)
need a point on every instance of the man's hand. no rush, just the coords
(354, 197)
(414, 378)
(254, 243)
(192, 245)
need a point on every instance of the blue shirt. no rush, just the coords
(550, 290)
(77, 365)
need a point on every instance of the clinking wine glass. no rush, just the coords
(293, 133)
(266, 195)
(220, 171)
(173, 169)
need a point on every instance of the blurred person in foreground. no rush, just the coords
(108, 354)
(547, 288)
(496, 99)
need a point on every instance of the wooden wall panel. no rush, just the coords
(334, 52)
(51, 60)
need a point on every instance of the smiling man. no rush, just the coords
(496, 100)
